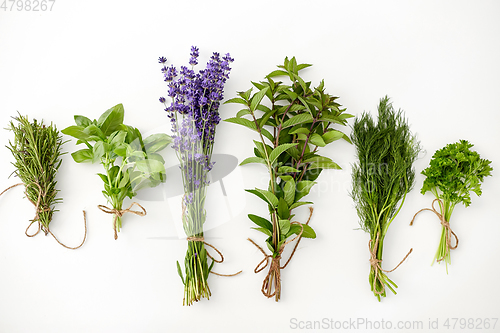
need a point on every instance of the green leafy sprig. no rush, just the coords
(291, 128)
(37, 152)
(454, 172)
(130, 162)
(386, 150)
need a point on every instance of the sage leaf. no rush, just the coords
(261, 222)
(284, 226)
(257, 98)
(317, 140)
(298, 119)
(267, 196)
(253, 159)
(279, 150)
(289, 190)
(264, 230)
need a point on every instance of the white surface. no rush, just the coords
(438, 60)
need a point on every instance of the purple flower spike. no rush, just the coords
(162, 60)
(194, 56)
(228, 58)
(195, 100)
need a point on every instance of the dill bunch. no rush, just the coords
(37, 152)
(386, 150)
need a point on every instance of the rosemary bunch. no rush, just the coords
(37, 152)
(386, 150)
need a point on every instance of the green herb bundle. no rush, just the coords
(130, 162)
(37, 152)
(382, 177)
(291, 129)
(454, 172)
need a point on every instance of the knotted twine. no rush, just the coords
(375, 263)
(202, 239)
(444, 223)
(275, 267)
(38, 210)
(121, 212)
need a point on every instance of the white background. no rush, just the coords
(437, 60)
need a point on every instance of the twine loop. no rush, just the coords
(273, 261)
(120, 212)
(202, 240)
(40, 209)
(375, 264)
(444, 223)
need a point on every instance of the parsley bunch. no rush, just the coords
(454, 172)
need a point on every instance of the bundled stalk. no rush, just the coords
(194, 114)
(454, 172)
(130, 162)
(37, 152)
(386, 150)
(291, 128)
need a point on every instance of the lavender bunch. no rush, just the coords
(193, 112)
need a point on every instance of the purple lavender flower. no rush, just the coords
(162, 100)
(228, 58)
(194, 56)
(162, 60)
(170, 73)
(194, 115)
(188, 198)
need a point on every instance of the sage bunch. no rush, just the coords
(294, 123)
